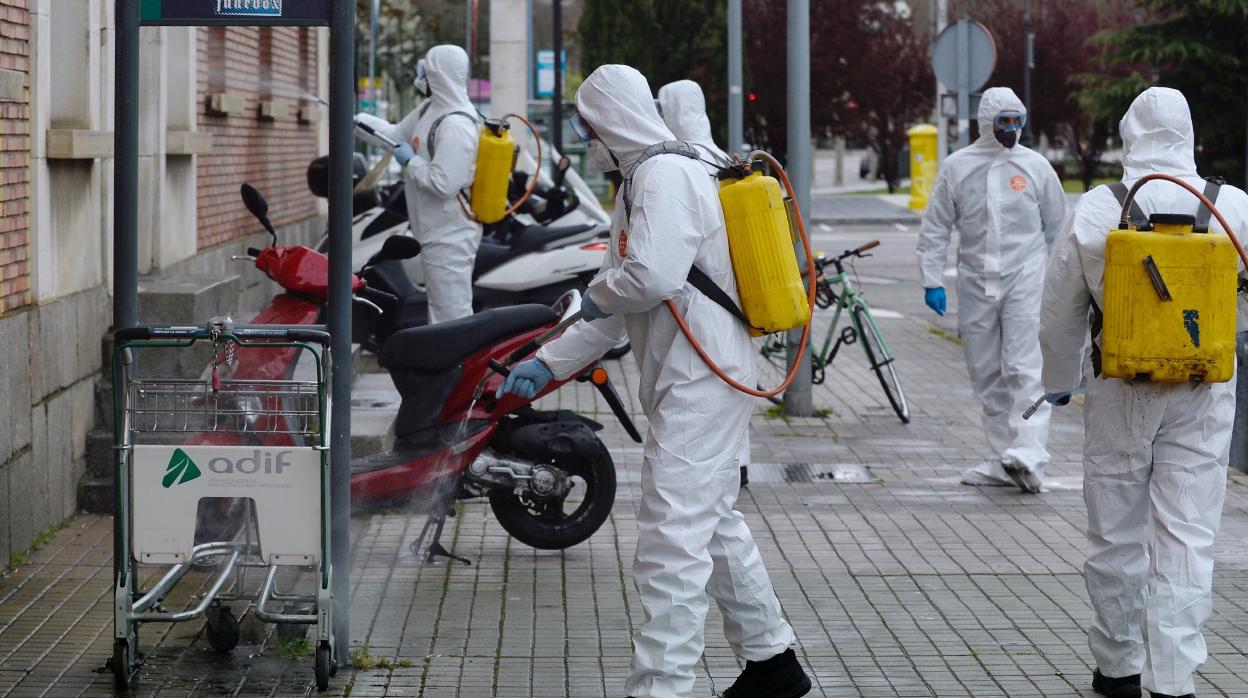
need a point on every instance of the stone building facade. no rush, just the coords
(218, 107)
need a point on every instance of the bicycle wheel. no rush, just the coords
(882, 362)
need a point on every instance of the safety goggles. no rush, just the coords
(420, 70)
(581, 128)
(1009, 120)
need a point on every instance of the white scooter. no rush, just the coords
(556, 241)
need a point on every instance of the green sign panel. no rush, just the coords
(235, 12)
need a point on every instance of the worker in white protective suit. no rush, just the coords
(690, 539)
(683, 108)
(437, 165)
(1007, 204)
(1155, 454)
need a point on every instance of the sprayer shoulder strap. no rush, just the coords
(1120, 191)
(697, 278)
(666, 147)
(1212, 186)
(433, 130)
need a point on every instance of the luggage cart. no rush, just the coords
(255, 450)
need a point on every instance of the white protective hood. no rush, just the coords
(447, 69)
(684, 112)
(1157, 135)
(995, 101)
(617, 102)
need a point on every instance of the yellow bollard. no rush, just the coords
(923, 164)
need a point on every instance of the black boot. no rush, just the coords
(779, 677)
(1123, 687)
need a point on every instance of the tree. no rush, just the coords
(871, 76)
(1064, 50)
(888, 84)
(666, 41)
(1199, 47)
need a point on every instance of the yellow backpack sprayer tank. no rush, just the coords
(1170, 295)
(496, 158)
(760, 241)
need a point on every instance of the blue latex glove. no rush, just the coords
(404, 152)
(935, 299)
(1059, 399)
(590, 310)
(526, 380)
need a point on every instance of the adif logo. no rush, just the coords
(266, 462)
(254, 8)
(180, 469)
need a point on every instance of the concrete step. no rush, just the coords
(374, 405)
(100, 454)
(96, 495)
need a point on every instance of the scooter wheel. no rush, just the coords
(562, 523)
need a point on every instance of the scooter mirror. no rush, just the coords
(255, 202)
(395, 247)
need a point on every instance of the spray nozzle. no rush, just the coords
(497, 126)
(737, 170)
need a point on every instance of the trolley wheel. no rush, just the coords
(324, 666)
(222, 628)
(123, 668)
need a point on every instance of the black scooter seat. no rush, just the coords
(434, 348)
(535, 237)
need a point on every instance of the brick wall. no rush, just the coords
(257, 64)
(14, 159)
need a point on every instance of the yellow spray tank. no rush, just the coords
(761, 243)
(1169, 303)
(496, 158)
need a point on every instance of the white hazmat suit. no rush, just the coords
(684, 112)
(1007, 204)
(690, 539)
(1155, 454)
(436, 175)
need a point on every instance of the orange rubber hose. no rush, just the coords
(532, 186)
(1126, 207)
(810, 271)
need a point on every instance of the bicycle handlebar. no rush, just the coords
(291, 333)
(856, 252)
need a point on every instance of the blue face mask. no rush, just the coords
(1007, 127)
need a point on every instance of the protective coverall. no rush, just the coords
(1155, 455)
(690, 539)
(1007, 204)
(434, 178)
(684, 111)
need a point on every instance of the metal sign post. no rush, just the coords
(339, 16)
(964, 56)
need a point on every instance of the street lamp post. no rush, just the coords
(798, 401)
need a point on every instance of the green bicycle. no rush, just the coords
(837, 290)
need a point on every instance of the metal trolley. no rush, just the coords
(202, 462)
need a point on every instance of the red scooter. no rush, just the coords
(550, 480)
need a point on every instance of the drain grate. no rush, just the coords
(840, 473)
